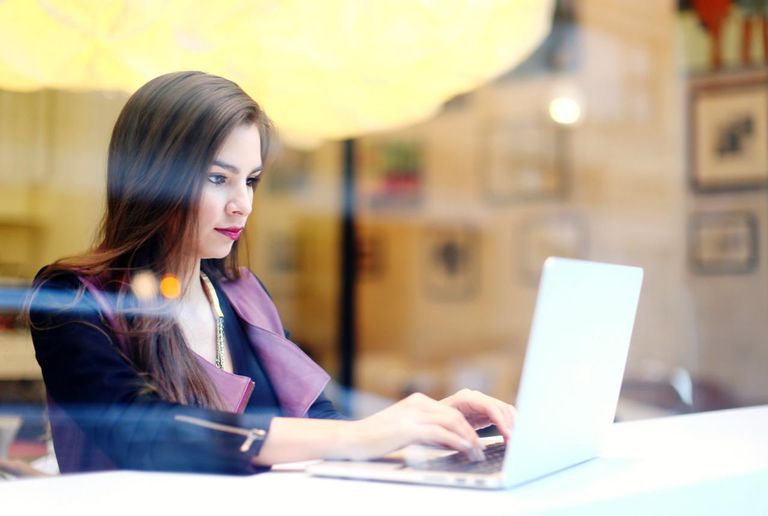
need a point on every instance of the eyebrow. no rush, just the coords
(234, 169)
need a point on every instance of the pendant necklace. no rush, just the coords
(214, 300)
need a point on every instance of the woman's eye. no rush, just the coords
(253, 181)
(216, 179)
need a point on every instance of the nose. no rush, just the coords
(240, 201)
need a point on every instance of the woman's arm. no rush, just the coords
(416, 419)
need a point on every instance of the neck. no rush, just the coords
(193, 289)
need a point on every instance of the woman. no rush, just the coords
(179, 382)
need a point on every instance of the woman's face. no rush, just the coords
(227, 193)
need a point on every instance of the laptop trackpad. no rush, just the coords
(400, 459)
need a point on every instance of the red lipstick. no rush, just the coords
(233, 232)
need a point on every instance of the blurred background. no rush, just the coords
(414, 196)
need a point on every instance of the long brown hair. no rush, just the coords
(162, 145)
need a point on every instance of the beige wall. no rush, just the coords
(52, 170)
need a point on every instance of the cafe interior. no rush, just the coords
(429, 160)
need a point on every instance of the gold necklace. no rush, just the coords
(214, 300)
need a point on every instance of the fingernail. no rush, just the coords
(466, 444)
(476, 455)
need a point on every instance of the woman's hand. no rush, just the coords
(481, 410)
(417, 419)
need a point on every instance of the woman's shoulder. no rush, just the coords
(58, 291)
(61, 283)
(49, 277)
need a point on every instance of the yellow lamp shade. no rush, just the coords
(321, 68)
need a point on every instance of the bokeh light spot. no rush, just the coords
(170, 286)
(144, 285)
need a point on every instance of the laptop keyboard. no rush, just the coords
(494, 459)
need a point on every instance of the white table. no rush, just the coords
(701, 464)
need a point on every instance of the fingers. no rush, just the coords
(435, 419)
(453, 420)
(483, 410)
(438, 435)
(500, 414)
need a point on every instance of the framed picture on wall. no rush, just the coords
(562, 234)
(722, 242)
(451, 261)
(391, 174)
(524, 161)
(728, 131)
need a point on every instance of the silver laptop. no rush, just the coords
(568, 391)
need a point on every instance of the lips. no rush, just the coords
(233, 232)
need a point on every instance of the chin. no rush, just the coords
(217, 254)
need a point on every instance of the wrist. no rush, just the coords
(341, 441)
